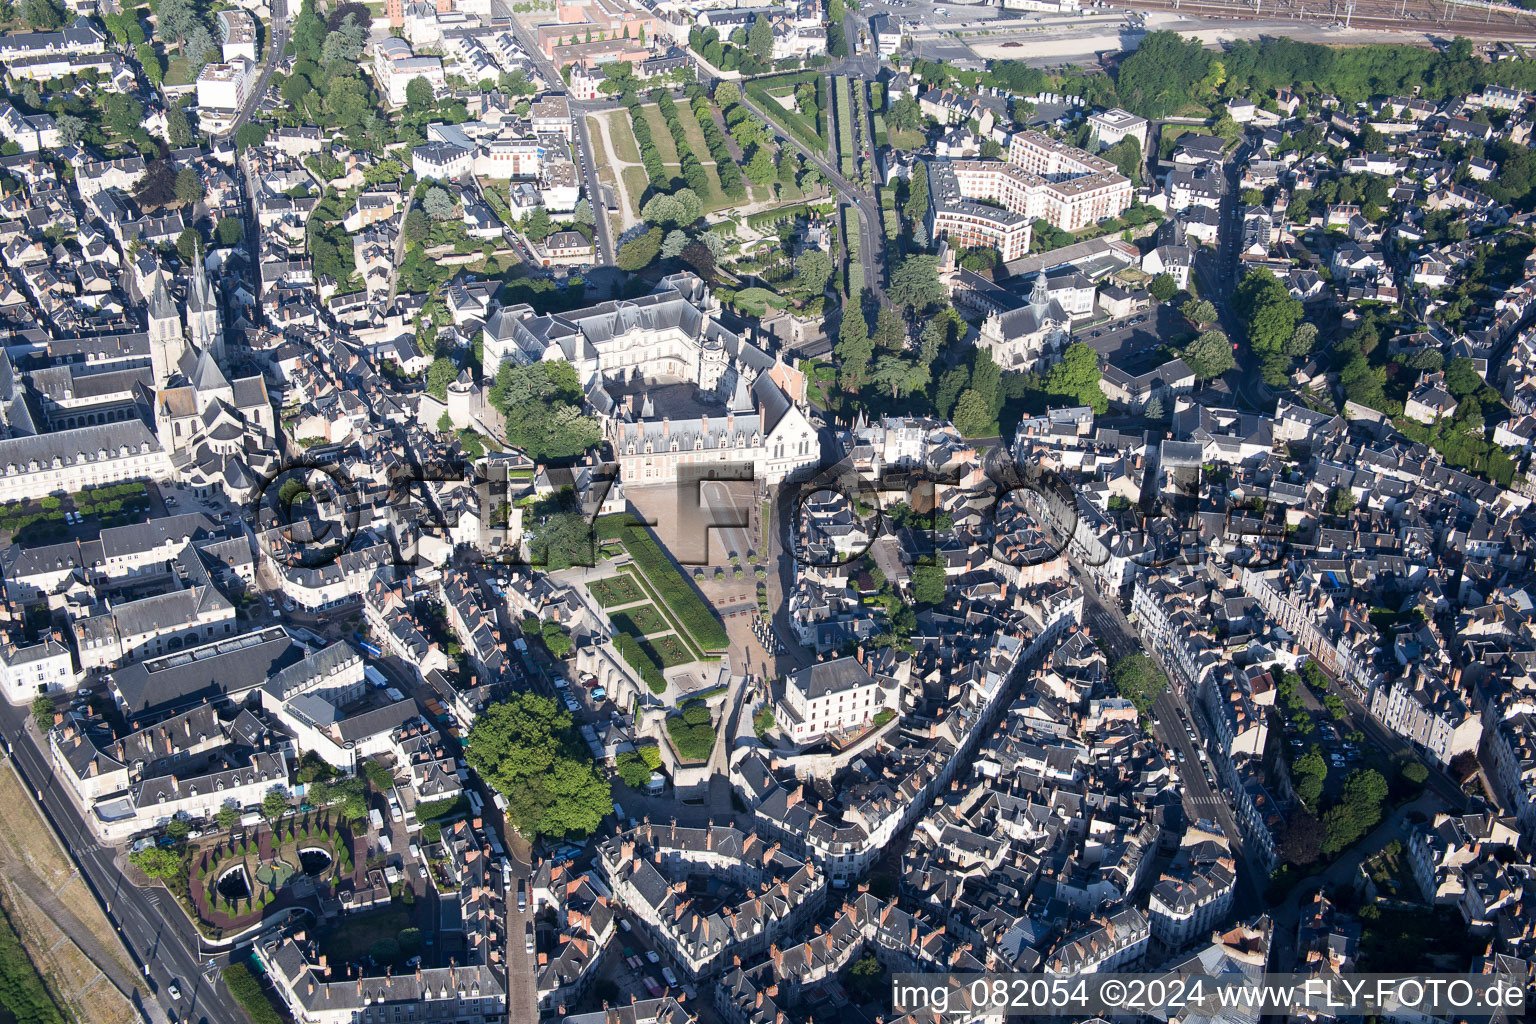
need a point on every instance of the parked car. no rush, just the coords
(666, 972)
(528, 937)
(650, 955)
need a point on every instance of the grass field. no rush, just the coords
(615, 590)
(903, 138)
(623, 137)
(599, 151)
(641, 620)
(670, 650)
(661, 134)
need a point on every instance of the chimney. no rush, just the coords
(666, 427)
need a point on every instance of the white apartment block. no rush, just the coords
(828, 697)
(1042, 179)
(1110, 126)
(223, 87)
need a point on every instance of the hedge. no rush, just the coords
(693, 741)
(845, 115)
(250, 995)
(441, 808)
(792, 121)
(706, 630)
(635, 656)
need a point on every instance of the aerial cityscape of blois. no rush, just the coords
(660, 512)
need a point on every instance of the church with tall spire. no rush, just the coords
(220, 430)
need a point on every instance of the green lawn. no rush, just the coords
(177, 72)
(615, 590)
(904, 138)
(641, 620)
(661, 134)
(599, 153)
(623, 137)
(670, 650)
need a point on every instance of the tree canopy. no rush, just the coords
(1076, 378)
(542, 406)
(529, 752)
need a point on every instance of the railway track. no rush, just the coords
(1466, 17)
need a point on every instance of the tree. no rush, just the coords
(917, 191)
(638, 253)
(1164, 74)
(928, 585)
(701, 257)
(43, 15)
(538, 226)
(727, 94)
(189, 187)
(973, 414)
(760, 39)
(438, 203)
(1076, 378)
(227, 817)
(187, 244)
(890, 332)
(583, 212)
(1199, 311)
(1163, 287)
(419, 95)
(915, 283)
(150, 61)
(274, 805)
(631, 768)
(1138, 679)
(1341, 501)
(158, 862)
(230, 231)
(814, 269)
(1269, 312)
(417, 225)
(1302, 340)
(542, 406)
(43, 709)
(1209, 355)
(673, 244)
(854, 349)
(760, 169)
(251, 133)
(528, 751)
(900, 375)
(1302, 842)
(440, 374)
(124, 114)
(178, 829)
(71, 128)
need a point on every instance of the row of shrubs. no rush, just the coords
(693, 171)
(650, 156)
(731, 182)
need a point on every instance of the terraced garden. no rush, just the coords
(615, 591)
